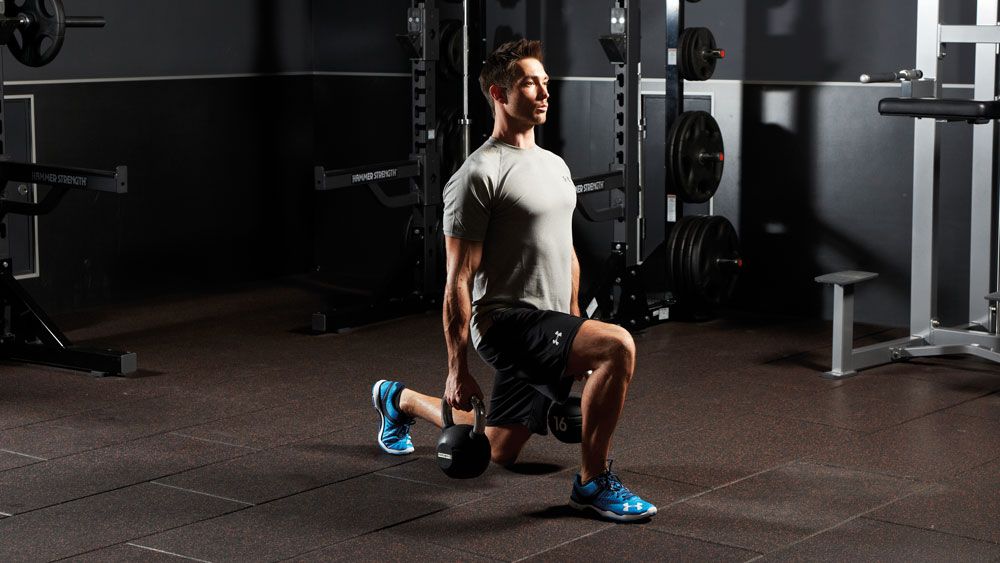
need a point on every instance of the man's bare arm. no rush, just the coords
(463, 257)
(574, 304)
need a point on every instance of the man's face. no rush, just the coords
(528, 98)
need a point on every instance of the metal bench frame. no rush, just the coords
(979, 338)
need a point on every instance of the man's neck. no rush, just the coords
(520, 137)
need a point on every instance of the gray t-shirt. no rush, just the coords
(519, 203)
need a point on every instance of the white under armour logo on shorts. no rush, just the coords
(558, 336)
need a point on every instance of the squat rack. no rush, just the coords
(438, 139)
(632, 291)
(921, 99)
(27, 334)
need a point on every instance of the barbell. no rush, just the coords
(34, 30)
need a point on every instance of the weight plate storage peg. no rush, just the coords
(697, 54)
(695, 156)
(463, 450)
(717, 267)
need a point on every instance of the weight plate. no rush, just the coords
(720, 265)
(694, 253)
(448, 137)
(672, 248)
(451, 52)
(694, 59)
(695, 156)
(37, 43)
(701, 256)
(680, 258)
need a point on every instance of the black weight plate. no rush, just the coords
(451, 52)
(693, 60)
(717, 277)
(673, 156)
(695, 179)
(683, 60)
(680, 258)
(448, 137)
(673, 250)
(38, 43)
(695, 250)
(683, 257)
(702, 256)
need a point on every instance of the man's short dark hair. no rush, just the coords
(501, 66)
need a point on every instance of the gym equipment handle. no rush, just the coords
(477, 405)
(85, 21)
(912, 74)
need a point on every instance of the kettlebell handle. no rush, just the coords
(477, 406)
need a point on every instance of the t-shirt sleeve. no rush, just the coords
(467, 203)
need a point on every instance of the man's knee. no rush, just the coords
(600, 344)
(506, 442)
(619, 347)
(504, 456)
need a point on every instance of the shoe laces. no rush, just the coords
(401, 429)
(614, 485)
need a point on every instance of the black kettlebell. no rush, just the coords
(566, 421)
(463, 451)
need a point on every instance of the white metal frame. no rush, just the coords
(36, 271)
(979, 338)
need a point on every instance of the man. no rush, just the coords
(513, 274)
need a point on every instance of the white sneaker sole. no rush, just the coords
(612, 515)
(381, 423)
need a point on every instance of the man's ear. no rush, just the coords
(498, 94)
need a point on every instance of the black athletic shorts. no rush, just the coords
(529, 350)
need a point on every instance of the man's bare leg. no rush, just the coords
(505, 441)
(609, 351)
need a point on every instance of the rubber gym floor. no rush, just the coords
(244, 438)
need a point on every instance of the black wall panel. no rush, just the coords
(219, 181)
(179, 38)
(359, 36)
(362, 120)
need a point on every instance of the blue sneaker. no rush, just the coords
(607, 496)
(394, 429)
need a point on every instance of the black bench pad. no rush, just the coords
(940, 108)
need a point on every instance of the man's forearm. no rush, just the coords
(457, 313)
